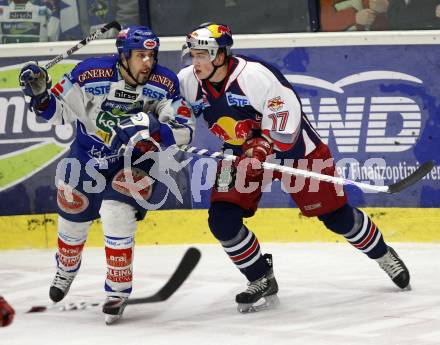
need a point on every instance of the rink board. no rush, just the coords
(191, 226)
(366, 101)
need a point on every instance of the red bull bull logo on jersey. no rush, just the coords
(275, 103)
(234, 132)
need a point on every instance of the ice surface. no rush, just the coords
(329, 293)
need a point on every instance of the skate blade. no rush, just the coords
(407, 288)
(111, 319)
(270, 302)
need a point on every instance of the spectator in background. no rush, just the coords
(22, 21)
(353, 15)
(414, 14)
(86, 16)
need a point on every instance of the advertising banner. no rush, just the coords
(376, 106)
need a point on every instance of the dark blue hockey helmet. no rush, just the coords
(136, 37)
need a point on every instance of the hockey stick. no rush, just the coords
(182, 272)
(93, 36)
(397, 187)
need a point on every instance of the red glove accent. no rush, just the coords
(146, 145)
(257, 148)
(6, 313)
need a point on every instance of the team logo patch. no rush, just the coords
(71, 201)
(150, 44)
(232, 131)
(275, 103)
(143, 184)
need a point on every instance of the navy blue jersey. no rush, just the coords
(256, 99)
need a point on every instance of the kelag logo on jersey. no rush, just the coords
(357, 116)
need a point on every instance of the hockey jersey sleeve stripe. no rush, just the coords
(279, 145)
(49, 112)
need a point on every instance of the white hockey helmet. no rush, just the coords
(210, 37)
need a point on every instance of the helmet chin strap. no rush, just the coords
(215, 69)
(213, 72)
(128, 70)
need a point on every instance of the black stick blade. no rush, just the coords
(186, 266)
(113, 25)
(37, 309)
(417, 175)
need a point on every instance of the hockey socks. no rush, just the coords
(244, 251)
(119, 256)
(367, 237)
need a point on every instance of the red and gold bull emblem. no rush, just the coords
(234, 132)
(218, 30)
(223, 29)
(275, 103)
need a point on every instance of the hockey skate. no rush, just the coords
(262, 290)
(395, 268)
(113, 308)
(61, 285)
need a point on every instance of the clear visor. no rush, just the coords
(188, 59)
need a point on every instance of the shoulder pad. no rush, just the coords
(95, 69)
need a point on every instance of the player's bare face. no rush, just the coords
(141, 63)
(202, 63)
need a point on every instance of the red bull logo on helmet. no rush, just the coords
(233, 132)
(218, 30)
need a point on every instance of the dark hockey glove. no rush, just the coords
(35, 83)
(256, 148)
(6, 313)
(134, 130)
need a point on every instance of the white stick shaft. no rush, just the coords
(289, 170)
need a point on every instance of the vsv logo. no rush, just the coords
(358, 116)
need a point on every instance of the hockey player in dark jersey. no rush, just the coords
(113, 100)
(255, 111)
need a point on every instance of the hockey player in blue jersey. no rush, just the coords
(112, 100)
(254, 110)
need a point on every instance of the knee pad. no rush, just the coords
(72, 232)
(118, 219)
(225, 220)
(343, 220)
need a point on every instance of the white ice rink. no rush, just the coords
(330, 294)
